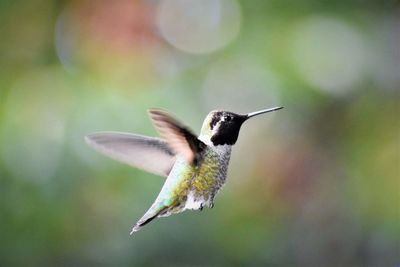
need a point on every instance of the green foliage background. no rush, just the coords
(316, 184)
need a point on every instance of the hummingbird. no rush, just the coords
(195, 166)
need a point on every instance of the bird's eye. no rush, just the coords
(228, 118)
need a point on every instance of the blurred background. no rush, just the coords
(315, 184)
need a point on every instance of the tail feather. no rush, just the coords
(141, 223)
(150, 215)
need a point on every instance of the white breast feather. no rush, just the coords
(192, 203)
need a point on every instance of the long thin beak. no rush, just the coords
(252, 114)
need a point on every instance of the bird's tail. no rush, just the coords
(150, 215)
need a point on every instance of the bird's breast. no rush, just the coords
(191, 186)
(211, 173)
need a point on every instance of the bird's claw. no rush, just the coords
(201, 207)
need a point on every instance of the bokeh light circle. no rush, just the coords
(329, 54)
(241, 86)
(199, 26)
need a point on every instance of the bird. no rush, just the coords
(195, 166)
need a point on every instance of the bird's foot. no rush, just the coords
(211, 205)
(201, 207)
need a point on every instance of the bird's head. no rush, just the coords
(222, 127)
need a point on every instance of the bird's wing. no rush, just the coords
(147, 153)
(178, 136)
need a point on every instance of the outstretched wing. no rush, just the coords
(179, 137)
(147, 153)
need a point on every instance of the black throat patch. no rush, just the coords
(228, 130)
